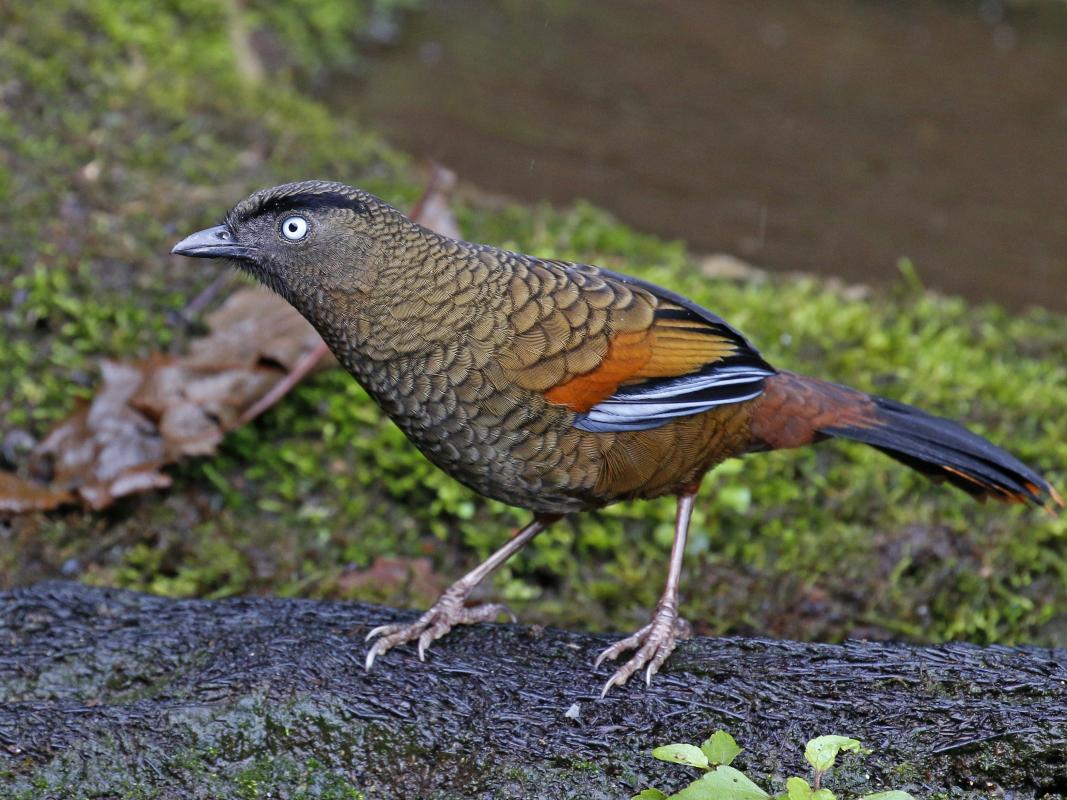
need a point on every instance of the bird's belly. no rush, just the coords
(533, 457)
(532, 464)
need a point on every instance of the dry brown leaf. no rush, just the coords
(156, 411)
(106, 448)
(19, 496)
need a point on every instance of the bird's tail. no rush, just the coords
(795, 410)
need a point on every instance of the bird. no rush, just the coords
(559, 387)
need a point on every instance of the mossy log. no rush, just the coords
(106, 693)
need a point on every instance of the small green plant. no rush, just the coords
(720, 781)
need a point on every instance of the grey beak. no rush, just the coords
(215, 242)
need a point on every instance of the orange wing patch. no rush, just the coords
(679, 348)
(669, 349)
(627, 354)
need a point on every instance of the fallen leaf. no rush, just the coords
(19, 496)
(106, 445)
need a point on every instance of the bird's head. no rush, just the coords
(301, 237)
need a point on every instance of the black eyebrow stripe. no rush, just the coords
(312, 201)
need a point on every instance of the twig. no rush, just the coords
(301, 368)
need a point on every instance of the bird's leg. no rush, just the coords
(655, 641)
(450, 608)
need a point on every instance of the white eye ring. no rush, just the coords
(294, 228)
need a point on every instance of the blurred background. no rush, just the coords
(831, 137)
(875, 192)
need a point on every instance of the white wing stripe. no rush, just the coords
(683, 386)
(610, 416)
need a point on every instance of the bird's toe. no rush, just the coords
(654, 643)
(382, 630)
(430, 627)
(629, 643)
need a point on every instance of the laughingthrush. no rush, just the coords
(558, 387)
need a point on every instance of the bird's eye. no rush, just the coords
(294, 228)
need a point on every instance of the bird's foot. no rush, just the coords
(653, 643)
(448, 611)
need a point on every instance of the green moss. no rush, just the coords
(120, 134)
(261, 776)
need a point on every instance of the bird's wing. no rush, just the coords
(622, 353)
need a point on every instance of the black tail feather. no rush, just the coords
(943, 449)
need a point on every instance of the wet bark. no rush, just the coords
(110, 693)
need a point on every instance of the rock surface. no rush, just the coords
(105, 693)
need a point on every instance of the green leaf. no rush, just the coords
(798, 789)
(823, 794)
(895, 795)
(649, 794)
(821, 752)
(688, 754)
(720, 748)
(725, 783)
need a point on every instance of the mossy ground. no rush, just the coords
(118, 134)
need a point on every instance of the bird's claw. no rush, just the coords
(653, 643)
(431, 626)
